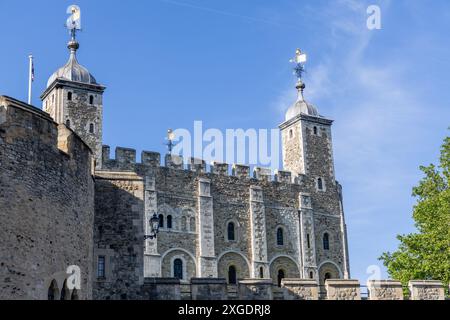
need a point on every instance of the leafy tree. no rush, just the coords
(426, 254)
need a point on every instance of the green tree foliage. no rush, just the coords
(426, 254)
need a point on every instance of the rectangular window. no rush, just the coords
(101, 267)
(307, 241)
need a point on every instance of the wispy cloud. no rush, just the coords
(378, 117)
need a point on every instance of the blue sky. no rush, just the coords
(168, 63)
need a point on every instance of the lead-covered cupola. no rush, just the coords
(72, 70)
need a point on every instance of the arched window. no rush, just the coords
(261, 272)
(326, 241)
(68, 123)
(315, 130)
(183, 224)
(319, 184)
(280, 276)
(161, 221)
(327, 276)
(192, 225)
(291, 134)
(52, 291)
(91, 128)
(280, 237)
(91, 99)
(169, 222)
(178, 269)
(69, 96)
(311, 275)
(230, 231)
(232, 275)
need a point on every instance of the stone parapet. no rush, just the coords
(208, 289)
(300, 289)
(385, 290)
(255, 289)
(426, 290)
(161, 289)
(343, 289)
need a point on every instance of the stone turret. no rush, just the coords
(74, 98)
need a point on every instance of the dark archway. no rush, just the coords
(232, 279)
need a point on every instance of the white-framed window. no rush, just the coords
(320, 184)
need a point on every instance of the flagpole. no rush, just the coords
(30, 78)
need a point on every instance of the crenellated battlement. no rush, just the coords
(125, 159)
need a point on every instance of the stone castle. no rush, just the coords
(64, 201)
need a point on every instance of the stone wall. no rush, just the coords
(426, 290)
(118, 235)
(291, 289)
(385, 290)
(343, 290)
(258, 207)
(299, 289)
(46, 205)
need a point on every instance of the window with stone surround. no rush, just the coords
(91, 99)
(69, 96)
(326, 241)
(178, 268)
(161, 221)
(91, 128)
(232, 279)
(169, 222)
(68, 123)
(261, 272)
(315, 130)
(183, 224)
(280, 276)
(280, 236)
(192, 226)
(231, 236)
(320, 184)
(308, 242)
(101, 267)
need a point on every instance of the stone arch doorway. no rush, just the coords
(283, 267)
(178, 263)
(232, 266)
(327, 271)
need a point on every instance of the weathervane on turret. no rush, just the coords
(299, 61)
(73, 23)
